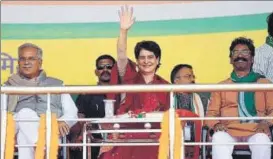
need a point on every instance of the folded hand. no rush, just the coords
(220, 127)
(63, 128)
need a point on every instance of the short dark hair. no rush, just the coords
(150, 46)
(177, 68)
(242, 41)
(105, 56)
(270, 24)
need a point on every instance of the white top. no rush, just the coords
(70, 111)
(263, 61)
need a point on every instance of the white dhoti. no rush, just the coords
(225, 151)
(27, 133)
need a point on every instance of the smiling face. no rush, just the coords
(241, 58)
(147, 62)
(29, 62)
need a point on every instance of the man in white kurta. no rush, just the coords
(263, 60)
(32, 106)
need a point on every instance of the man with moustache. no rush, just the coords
(195, 102)
(30, 74)
(241, 104)
(92, 106)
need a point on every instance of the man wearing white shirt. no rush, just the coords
(32, 106)
(263, 60)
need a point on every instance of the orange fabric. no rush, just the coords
(10, 135)
(164, 140)
(41, 143)
(54, 143)
(224, 104)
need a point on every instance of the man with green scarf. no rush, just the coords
(263, 61)
(241, 104)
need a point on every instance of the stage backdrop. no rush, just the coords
(74, 34)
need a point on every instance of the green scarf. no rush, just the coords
(246, 100)
(269, 40)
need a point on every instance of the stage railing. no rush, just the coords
(125, 88)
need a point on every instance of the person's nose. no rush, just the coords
(146, 60)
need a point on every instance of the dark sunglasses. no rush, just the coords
(109, 67)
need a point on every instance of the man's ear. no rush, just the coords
(175, 81)
(41, 63)
(230, 61)
(96, 72)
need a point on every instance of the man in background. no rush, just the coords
(263, 61)
(195, 102)
(92, 106)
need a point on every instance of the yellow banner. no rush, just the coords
(73, 60)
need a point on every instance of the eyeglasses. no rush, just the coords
(108, 67)
(242, 52)
(30, 59)
(189, 77)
